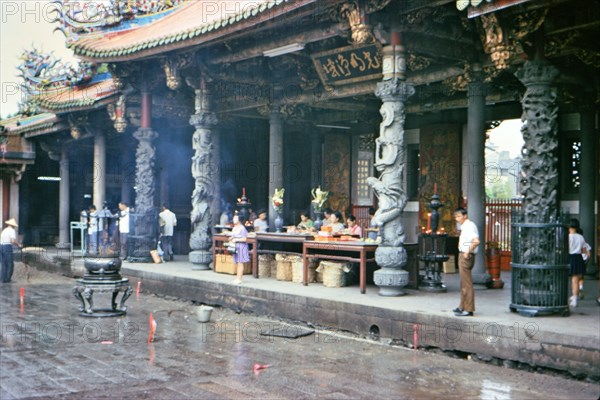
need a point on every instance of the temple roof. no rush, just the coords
(194, 22)
(96, 93)
(22, 124)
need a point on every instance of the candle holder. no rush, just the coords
(432, 249)
(243, 204)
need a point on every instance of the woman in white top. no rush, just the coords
(577, 266)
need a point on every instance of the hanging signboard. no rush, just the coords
(349, 64)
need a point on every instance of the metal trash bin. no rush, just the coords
(540, 266)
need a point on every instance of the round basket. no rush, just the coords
(334, 273)
(283, 268)
(265, 262)
(297, 271)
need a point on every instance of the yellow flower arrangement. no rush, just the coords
(277, 199)
(319, 198)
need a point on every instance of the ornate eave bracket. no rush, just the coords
(355, 12)
(76, 123)
(172, 67)
(502, 40)
(116, 112)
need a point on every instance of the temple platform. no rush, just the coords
(565, 343)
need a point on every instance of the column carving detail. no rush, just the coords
(390, 159)
(205, 173)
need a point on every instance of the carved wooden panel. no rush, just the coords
(336, 171)
(440, 164)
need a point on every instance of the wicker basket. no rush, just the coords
(223, 263)
(298, 270)
(334, 273)
(265, 265)
(284, 267)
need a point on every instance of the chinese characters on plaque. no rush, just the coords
(348, 64)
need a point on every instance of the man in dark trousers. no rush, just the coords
(8, 238)
(468, 243)
(167, 221)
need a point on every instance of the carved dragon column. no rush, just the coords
(145, 220)
(205, 174)
(390, 159)
(539, 173)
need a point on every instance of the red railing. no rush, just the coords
(498, 218)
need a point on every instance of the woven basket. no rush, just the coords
(334, 273)
(265, 262)
(298, 269)
(224, 264)
(284, 268)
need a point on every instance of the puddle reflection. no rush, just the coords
(494, 390)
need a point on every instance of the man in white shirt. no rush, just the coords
(167, 222)
(94, 230)
(468, 243)
(123, 228)
(8, 238)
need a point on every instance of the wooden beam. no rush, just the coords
(426, 78)
(320, 33)
(431, 46)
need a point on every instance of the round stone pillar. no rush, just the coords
(539, 170)
(390, 187)
(275, 157)
(205, 174)
(143, 238)
(475, 163)
(63, 201)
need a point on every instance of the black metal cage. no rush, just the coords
(540, 266)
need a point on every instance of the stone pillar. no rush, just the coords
(127, 168)
(475, 168)
(275, 157)
(203, 172)
(63, 201)
(587, 190)
(216, 177)
(99, 184)
(390, 160)
(539, 172)
(13, 202)
(316, 168)
(145, 220)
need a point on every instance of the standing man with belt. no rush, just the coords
(8, 238)
(123, 228)
(167, 222)
(468, 243)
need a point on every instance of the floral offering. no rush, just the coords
(319, 198)
(277, 199)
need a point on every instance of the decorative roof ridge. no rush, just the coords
(89, 47)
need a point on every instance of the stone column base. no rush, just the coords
(390, 281)
(391, 277)
(201, 260)
(482, 281)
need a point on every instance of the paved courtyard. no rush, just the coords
(48, 350)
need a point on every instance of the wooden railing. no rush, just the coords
(498, 219)
(362, 217)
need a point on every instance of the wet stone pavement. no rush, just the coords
(48, 350)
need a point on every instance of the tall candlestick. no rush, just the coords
(243, 191)
(434, 187)
(428, 221)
